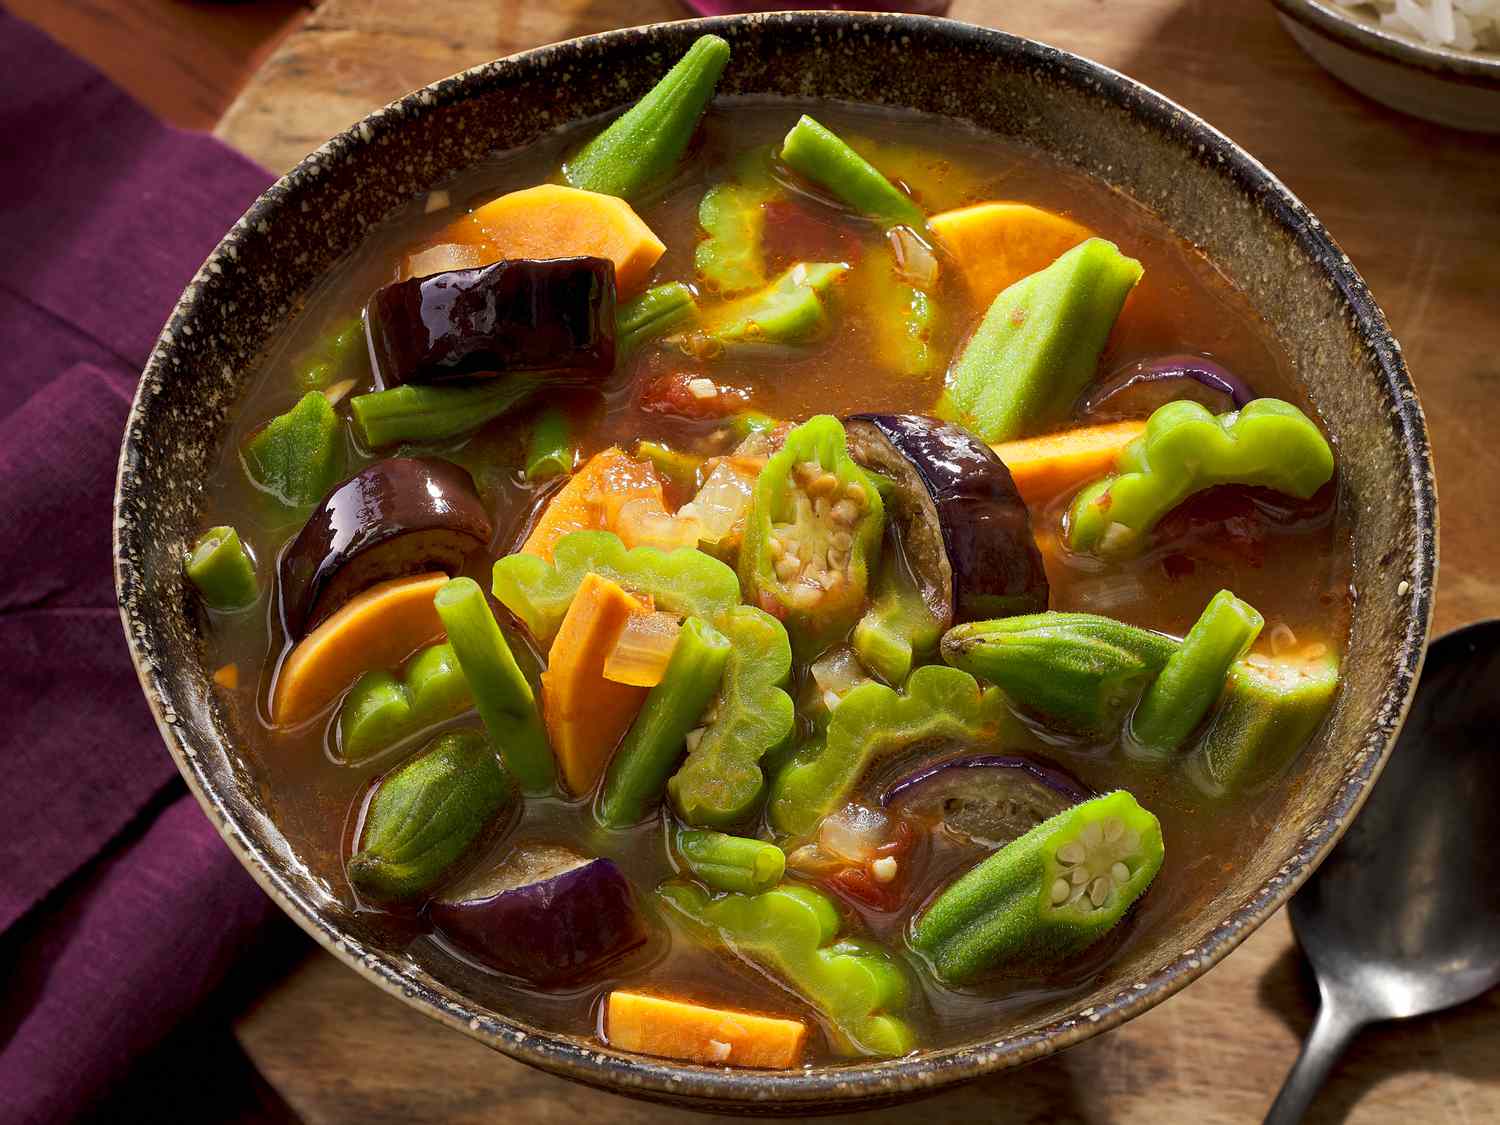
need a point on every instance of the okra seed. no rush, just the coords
(1079, 876)
(822, 485)
(1099, 891)
(1119, 873)
(1113, 828)
(842, 540)
(1071, 852)
(778, 548)
(1093, 834)
(1059, 892)
(846, 513)
(855, 492)
(786, 568)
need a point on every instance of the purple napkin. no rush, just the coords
(120, 909)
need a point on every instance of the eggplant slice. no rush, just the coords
(400, 516)
(516, 316)
(963, 526)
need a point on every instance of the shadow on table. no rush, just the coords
(1459, 1043)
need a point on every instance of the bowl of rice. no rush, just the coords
(1435, 59)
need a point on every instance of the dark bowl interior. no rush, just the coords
(1206, 189)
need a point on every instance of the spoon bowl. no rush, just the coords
(1403, 917)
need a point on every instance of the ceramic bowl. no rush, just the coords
(1208, 190)
(1450, 87)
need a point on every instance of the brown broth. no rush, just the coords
(1295, 570)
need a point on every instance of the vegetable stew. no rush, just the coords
(762, 583)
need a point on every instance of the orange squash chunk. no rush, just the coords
(553, 221)
(593, 497)
(586, 714)
(997, 244)
(1046, 466)
(678, 1029)
(379, 628)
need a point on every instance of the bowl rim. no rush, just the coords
(1449, 63)
(868, 1081)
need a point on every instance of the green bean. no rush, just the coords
(816, 153)
(550, 451)
(417, 413)
(638, 772)
(1192, 679)
(656, 312)
(731, 863)
(222, 569)
(502, 695)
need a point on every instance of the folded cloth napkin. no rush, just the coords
(120, 909)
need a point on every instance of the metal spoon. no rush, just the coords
(1404, 917)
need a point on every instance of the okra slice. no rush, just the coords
(872, 722)
(1044, 897)
(1270, 709)
(898, 627)
(792, 932)
(812, 535)
(1076, 670)
(1185, 449)
(641, 148)
(790, 310)
(502, 694)
(638, 772)
(296, 456)
(1193, 677)
(427, 814)
(729, 260)
(818, 154)
(731, 863)
(222, 569)
(1039, 344)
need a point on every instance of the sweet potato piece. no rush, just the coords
(377, 628)
(552, 221)
(585, 714)
(679, 1029)
(997, 244)
(1046, 466)
(593, 497)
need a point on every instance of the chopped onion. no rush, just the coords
(640, 655)
(915, 262)
(444, 257)
(721, 504)
(644, 522)
(854, 832)
(335, 393)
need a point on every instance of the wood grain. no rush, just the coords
(184, 61)
(1418, 210)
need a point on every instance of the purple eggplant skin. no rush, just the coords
(990, 799)
(964, 527)
(548, 915)
(1139, 388)
(399, 516)
(516, 316)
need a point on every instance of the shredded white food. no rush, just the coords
(1467, 25)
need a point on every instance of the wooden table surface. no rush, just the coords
(1418, 210)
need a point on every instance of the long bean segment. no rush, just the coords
(656, 312)
(731, 863)
(550, 450)
(413, 413)
(1193, 677)
(638, 772)
(502, 695)
(222, 569)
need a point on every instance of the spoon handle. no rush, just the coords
(1330, 1034)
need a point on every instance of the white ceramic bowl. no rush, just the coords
(1450, 87)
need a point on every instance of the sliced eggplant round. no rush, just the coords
(397, 517)
(516, 316)
(547, 915)
(985, 799)
(1136, 390)
(964, 528)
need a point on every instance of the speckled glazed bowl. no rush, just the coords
(1209, 191)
